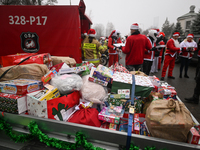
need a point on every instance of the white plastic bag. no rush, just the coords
(93, 92)
(67, 83)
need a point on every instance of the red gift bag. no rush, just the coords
(8, 60)
(85, 115)
(60, 108)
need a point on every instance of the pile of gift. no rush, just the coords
(85, 94)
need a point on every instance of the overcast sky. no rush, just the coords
(123, 13)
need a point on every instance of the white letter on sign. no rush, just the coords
(32, 19)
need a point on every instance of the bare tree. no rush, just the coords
(27, 2)
(109, 28)
(99, 30)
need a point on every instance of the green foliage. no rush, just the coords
(167, 28)
(178, 28)
(195, 27)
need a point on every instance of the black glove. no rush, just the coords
(153, 49)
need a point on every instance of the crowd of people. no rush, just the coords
(145, 52)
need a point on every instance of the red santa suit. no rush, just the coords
(172, 48)
(113, 54)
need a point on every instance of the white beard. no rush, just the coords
(176, 43)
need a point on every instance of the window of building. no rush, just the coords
(188, 23)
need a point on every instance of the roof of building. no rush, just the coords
(190, 14)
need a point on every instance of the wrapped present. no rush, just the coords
(194, 136)
(156, 83)
(44, 58)
(86, 115)
(123, 126)
(20, 86)
(11, 103)
(143, 85)
(57, 108)
(58, 67)
(8, 60)
(98, 75)
(118, 67)
(167, 93)
(109, 115)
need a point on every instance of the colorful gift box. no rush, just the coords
(11, 103)
(98, 75)
(48, 93)
(138, 121)
(143, 85)
(105, 71)
(95, 80)
(194, 136)
(111, 117)
(20, 86)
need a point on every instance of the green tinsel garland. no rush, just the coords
(53, 142)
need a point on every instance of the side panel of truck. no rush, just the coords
(41, 29)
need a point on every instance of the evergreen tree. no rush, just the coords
(178, 28)
(167, 28)
(195, 27)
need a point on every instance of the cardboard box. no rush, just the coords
(194, 137)
(107, 116)
(48, 93)
(20, 86)
(11, 103)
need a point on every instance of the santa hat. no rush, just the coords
(190, 35)
(176, 34)
(84, 32)
(134, 26)
(92, 33)
(113, 33)
(162, 33)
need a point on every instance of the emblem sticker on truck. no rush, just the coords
(29, 42)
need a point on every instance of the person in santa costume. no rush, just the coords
(188, 47)
(198, 55)
(161, 49)
(113, 50)
(173, 48)
(134, 49)
(149, 53)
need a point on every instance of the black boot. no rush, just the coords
(180, 76)
(193, 99)
(186, 76)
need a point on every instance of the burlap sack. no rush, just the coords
(68, 60)
(169, 119)
(29, 71)
(149, 99)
